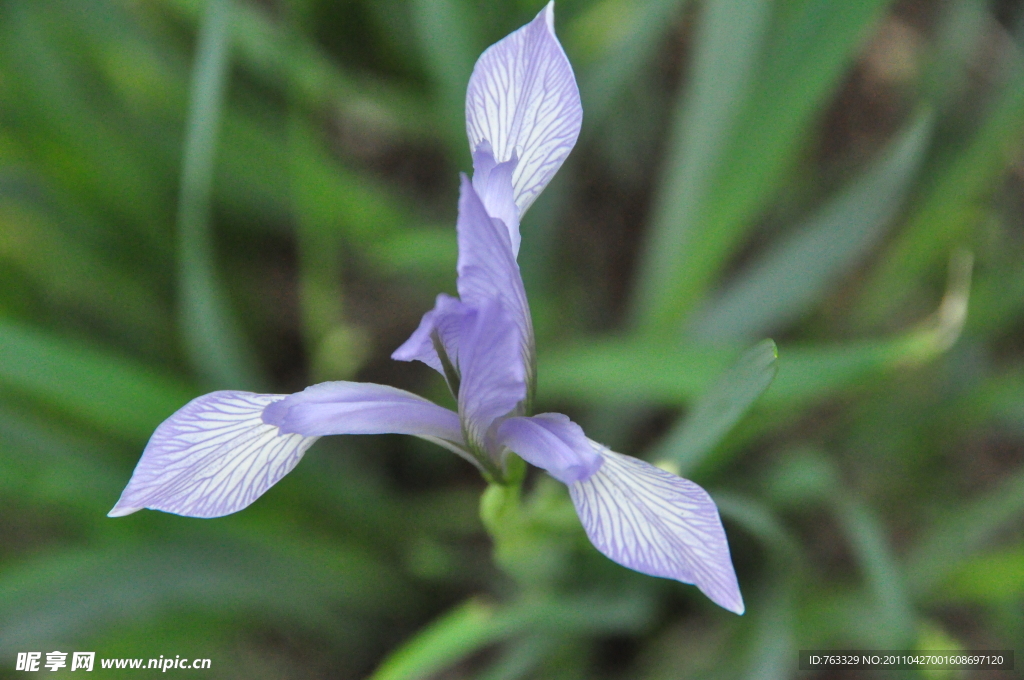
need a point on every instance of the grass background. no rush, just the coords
(261, 195)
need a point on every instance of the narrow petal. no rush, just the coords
(487, 269)
(361, 408)
(493, 374)
(493, 184)
(523, 99)
(652, 521)
(446, 320)
(553, 442)
(213, 457)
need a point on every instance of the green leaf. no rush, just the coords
(794, 274)
(961, 533)
(882, 573)
(211, 333)
(990, 578)
(646, 370)
(609, 43)
(953, 203)
(616, 369)
(728, 46)
(264, 46)
(49, 463)
(448, 35)
(101, 389)
(721, 407)
(68, 595)
(748, 127)
(475, 624)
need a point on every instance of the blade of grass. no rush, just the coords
(728, 46)
(475, 624)
(211, 334)
(721, 407)
(990, 578)
(69, 594)
(699, 221)
(43, 462)
(609, 43)
(317, 81)
(965, 531)
(99, 388)
(652, 371)
(794, 274)
(448, 32)
(952, 205)
(883, 575)
(320, 275)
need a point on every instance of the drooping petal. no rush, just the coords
(213, 457)
(447, 320)
(493, 184)
(553, 442)
(523, 99)
(652, 521)
(493, 374)
(487, 269)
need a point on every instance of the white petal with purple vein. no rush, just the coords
(523, 100)
(652, 521)
(213, 457)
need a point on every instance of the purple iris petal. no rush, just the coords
(552, 442)
(487, 269)
(366, 408)
(493, 184)
(493, 373)
(213, 457)
(523, 99)
(652, 521)
(446, 319)
(361, 408)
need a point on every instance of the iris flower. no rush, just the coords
(223, 450)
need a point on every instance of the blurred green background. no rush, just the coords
(261, 194)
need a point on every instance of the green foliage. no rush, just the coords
(199, 195)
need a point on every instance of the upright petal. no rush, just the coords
(552, 442)
(213, 457)
(487, 269)
(523, 99)
(652, 521)
(493, 184)
(493, 374)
